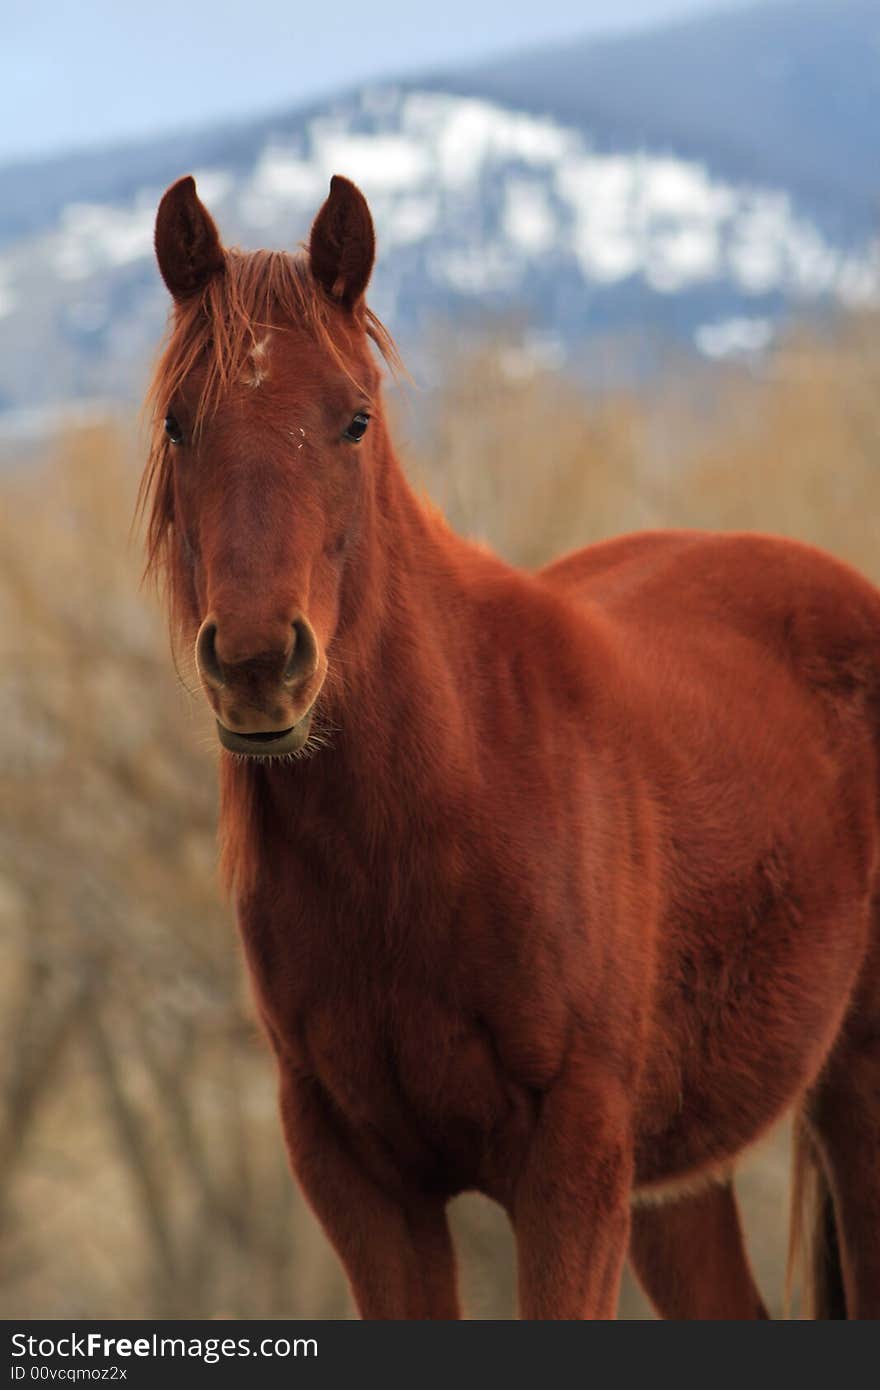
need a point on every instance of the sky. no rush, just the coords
(93, 72)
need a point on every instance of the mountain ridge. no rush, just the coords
(615, 113)
(483, 207)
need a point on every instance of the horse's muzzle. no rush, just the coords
(273, 744)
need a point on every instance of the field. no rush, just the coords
(141, 1168)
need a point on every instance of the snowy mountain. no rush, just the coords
(487, 203)
(783, 94)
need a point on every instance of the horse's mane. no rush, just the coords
(217, 330)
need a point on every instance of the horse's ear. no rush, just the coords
(188, 245)
(342, 246)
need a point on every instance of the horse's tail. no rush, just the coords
(813, 1244)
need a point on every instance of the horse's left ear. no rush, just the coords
(188, 245)
(342, 246)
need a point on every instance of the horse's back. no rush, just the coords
(688, 563)
(796, 603)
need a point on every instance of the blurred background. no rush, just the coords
(631, 258)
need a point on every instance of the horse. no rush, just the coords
(558, 886)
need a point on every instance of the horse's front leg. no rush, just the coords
(397, 1253)
(571, 1206)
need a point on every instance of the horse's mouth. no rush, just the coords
(273, 744)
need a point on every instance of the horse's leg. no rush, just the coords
(570, 1206)
(844, 1113)
(689, 1257)
(398, 1255)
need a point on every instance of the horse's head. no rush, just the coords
(266, 409)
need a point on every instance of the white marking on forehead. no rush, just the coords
(259, 356)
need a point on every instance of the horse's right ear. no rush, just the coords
(188, 245)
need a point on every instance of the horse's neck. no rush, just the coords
(402, 656)
(431, 628)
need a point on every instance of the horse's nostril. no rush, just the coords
(303, 656)
(206, 655)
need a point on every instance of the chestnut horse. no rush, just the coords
(562, 887)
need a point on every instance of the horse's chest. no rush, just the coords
(396, 1015)
(423, 1079)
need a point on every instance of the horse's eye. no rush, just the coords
(173, 430)
(357, 429)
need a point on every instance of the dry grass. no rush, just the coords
(535, 466)
(141, 1169)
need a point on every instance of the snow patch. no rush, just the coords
(528, 220)
(734, 337)
(379, 163)
(94, 236)
(8, 300)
